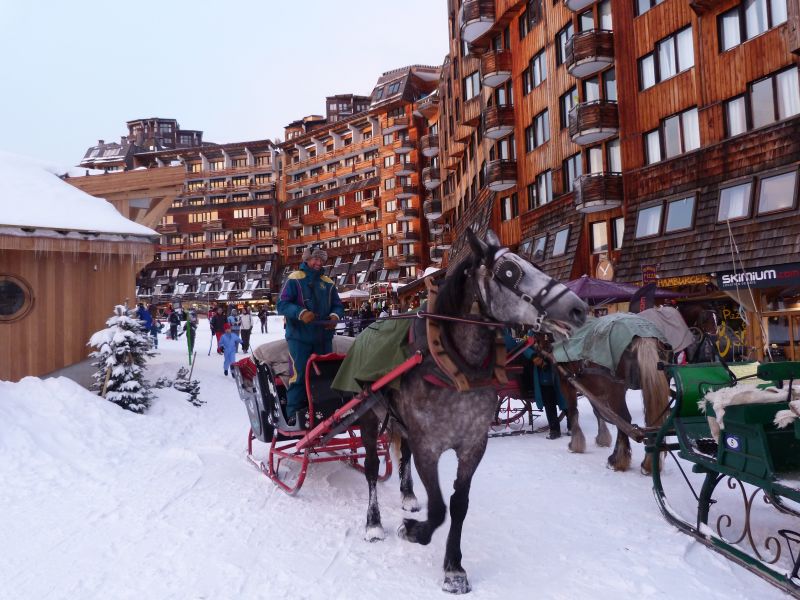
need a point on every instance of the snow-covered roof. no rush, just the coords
(34, 196)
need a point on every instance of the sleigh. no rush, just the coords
(744, 483)
(327, 433)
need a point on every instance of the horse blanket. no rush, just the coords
(670, 322)
(603, 340)
(377, 350)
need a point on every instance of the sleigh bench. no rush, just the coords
(748, 449)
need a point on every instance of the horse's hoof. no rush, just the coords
(410, 504)
(402, 532)
(374, 533)
(456, 583)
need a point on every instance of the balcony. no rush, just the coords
(595, 192)
(435, 227)
(407, 237)
(293, 223)
(395, 124)
(446, 240)
(215, 225)
(477, 17)
(578, 5)
(498, 121)
(170, 247)
(432, 209)
(472, 111)
(391, 262)
(437, 254)
(407, 214)
(405, 167)
(167, 228)
(429, 145)
(407, 191)
(329, 214)
(262, 241)
(501, 175)
(370, 204)
(404, 145)
(262, 222)
(431, 178)
(408, 260)
(593, 122)
(589, 52)
(462, 135)
(427, 106)
(495, 67)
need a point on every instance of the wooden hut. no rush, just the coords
(66, 258)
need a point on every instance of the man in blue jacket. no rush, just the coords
(307, 298)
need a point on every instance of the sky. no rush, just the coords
(75, 72)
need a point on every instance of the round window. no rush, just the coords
(15, 298)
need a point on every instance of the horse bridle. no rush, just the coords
(508, 274)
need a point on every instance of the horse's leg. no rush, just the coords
(455, 578)
(577, 441)
(603, 438)
(406, 483)
(620, 459)
(420, 532)
(369, 437)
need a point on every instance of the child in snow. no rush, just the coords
(228, 342)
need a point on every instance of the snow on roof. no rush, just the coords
(34, 196)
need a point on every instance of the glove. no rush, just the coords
(307, 316)
(333, 318)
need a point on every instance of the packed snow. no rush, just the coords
(99, 502)
(34, 196)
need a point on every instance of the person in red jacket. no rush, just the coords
(218, 322)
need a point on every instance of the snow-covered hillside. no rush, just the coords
(98, 502)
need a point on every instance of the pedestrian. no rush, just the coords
(147, 321)
(366, 316)
(246, 319)
(218, 326)
(236, 323)
(190, 327)
(384, 311)
(307, 296)
(229, 341)
(155, 325)
(262, 317)
(174, 320)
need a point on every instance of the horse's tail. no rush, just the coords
(655, 389)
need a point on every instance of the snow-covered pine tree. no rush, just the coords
(122, 351)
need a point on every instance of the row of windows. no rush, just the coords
(770, 194)
(767, 100)
(674, 54)
(534, 249)
(749, 19)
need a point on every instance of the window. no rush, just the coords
(599, 237)
(673, 55)
(560, 243)
(734, 202)
(509, 208)
(586, 21)
(472, 85)
(771, 99)
(16, 298)
(680, 214)
(537, 253)
(652, 142)
(388, 184)
(749, 19)
(648, 222)
(610, 84)
(619, 232)
(572, 170)
(562, 37)
(642, 6)
(777, 193)
(613, 156)
(388, 161)
(544, 188)
(604, 13)
(539, 132)
(391, 228)
(678, 134)
(393, 88)
(735, 116)
(567, 102)
(535, 74)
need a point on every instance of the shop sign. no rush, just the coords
(685, 280)
(763, 277)
(649, 274)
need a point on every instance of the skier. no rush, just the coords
(191, 328)
(247, 327)
(228, 342)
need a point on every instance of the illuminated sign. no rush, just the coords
(764, 277)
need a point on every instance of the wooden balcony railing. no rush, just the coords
(370, 204)
(501, 175)
(592, 122)
(589, 52)
(498, 121)
(477, 17)
(215, 225)
(293, 222)
(407, 191)
(408, 236)
(432, 209)
(395, 124)
(330, 214)
(407, 260)
(596, 192)
(262, 221)
(427, 106)
(405, 167)
(407, 214)
(404, 145)
(496, 67)
(167, 228)
(471, 114)
(429, 145)
(431, 178)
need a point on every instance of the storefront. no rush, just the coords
(770, 297)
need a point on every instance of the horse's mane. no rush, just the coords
(450, 297)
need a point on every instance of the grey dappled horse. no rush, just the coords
(493, 285)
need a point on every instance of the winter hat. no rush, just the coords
(310, 253)
(226, 326)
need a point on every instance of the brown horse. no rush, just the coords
(637, 369)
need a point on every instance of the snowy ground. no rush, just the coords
(100, 503)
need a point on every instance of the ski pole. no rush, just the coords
(210, 343)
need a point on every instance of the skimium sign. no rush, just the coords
(764, 277)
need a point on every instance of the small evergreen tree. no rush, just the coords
(122, 351)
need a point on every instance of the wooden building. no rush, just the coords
(66, 259)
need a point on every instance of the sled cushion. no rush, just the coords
(377, 350)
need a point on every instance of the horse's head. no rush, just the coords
(513, 290)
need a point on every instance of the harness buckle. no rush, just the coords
(537, 324)
(526, 297)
